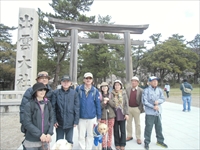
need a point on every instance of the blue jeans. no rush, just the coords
(186, 101)
(60, 132)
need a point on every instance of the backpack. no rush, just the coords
(80, 92)
(32, 103)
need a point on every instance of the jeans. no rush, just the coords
(119, 127)
(186, 101)
(150, 120)
(60, 132)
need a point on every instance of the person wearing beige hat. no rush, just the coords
(134, 94)
(108, 114)
(121, 110)
(90, 111)
(42, 77)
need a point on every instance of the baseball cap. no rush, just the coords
(88, 74)
(66, 77)
(43, 74)
(153, 78)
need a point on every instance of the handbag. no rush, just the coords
(186, 90)
(165, 89)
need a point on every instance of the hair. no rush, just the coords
(115, 83)
(35, 94)
(102, 90)
(184, 80)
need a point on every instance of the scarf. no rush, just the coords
(118, 98)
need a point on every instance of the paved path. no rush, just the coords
(180, 129)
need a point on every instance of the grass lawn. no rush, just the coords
(177, 92)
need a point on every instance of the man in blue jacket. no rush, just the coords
(186, 96)
(66, 106)
(90, 110)
(42, 77)
(152, 98)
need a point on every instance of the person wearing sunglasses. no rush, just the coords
(90, 110)
(42, 77)
(38, 119)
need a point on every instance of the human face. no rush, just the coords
(117, 86)
(66, 84)
(40, 94)
(88, 80)
(154, 83)
(134, 83)
(43, 80)
(104, 89)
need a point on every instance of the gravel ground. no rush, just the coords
(11, 136)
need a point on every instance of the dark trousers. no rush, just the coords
(167, 93)
(150, 120)
(68, 133)
(120, 133)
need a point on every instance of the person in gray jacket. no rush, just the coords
(152, 98)
(38, 119)
(186, 96)
(66, 107)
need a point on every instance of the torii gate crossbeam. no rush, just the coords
(75, 26)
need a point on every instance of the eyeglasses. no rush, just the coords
(42, 90)
(88, 78)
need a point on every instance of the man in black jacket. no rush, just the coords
(42, 77)
(66, 106)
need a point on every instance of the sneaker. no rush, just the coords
(184, 110)
(146, 146)
(162, 144)
(109, 148)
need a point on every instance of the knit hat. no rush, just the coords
(39, 86)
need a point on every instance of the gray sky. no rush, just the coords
(165, 17)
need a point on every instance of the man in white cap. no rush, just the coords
(152, 98)
(134, 94)
(90, 110)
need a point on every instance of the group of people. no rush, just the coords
(42, 109)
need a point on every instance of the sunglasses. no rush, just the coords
(88, 78)
(42, 90)
(42, 75)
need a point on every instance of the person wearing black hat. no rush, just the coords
(42, 77)
(38, 119)
(66, 106)
(186, 89)
(152, 99)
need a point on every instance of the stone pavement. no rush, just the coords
(180, 129)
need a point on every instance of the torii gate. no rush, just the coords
(75, 26)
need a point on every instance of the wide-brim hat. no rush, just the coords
(153, 78)
(43, 74)
(39, 86)
(104, 84)
(117, 81)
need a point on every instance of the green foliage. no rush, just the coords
(102, 60)
(170, 56)
(7, 57)
(58, 52)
